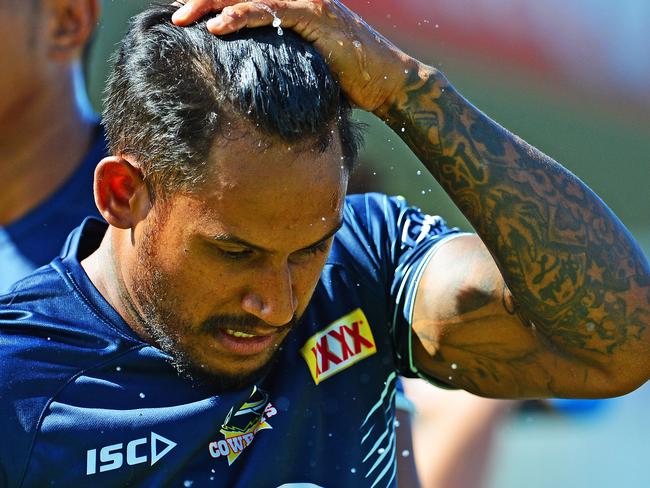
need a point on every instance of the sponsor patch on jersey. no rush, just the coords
(338, 346)
(240, 428)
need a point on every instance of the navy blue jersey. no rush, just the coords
(36, 238)
(85, 402)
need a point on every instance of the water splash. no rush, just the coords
(277, 21)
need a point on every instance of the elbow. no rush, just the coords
(624, 378)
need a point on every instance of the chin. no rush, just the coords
(221, 379)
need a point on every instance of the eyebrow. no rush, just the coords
(232, 239)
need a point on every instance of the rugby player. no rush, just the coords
(50, 138)
(238, 321)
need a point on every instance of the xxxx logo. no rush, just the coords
(338, 346)
(239, 428)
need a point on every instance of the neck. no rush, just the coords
(104, 270)
(43, 139)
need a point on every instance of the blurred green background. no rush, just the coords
(594, 125)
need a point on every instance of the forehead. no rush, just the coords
(276, 195)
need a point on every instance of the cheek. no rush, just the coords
(306, 277)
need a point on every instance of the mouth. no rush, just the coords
(246, 344)
(236, 333)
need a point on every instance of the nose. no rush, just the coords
(272, 297)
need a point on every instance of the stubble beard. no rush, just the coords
(155, 308)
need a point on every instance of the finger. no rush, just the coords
(255, 14)
(195, 9)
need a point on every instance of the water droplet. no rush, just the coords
(353, 470)
(406, 453)
(454, 366)
(118, 368)
(211, 478)
(188, 483)
(590, 326)
(49, 338)
(323, 219)
(436, 26)
(142, 395)
(329, 434)
(212, 470)
(356, 44)
(380, 450)
(424, 192)
(418, 172)
(449, 377)
(396, 423)
(276, 20)
(403, 129)
(406, 72)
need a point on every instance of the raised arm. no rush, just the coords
(572, 318)
(566, 309)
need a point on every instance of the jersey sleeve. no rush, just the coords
(404, 240)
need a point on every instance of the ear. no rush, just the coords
(121, 194)
(70, 26)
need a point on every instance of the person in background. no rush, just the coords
(453, 435)
(50, 138)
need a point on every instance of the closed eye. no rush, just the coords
(235, 255)
(311, 251)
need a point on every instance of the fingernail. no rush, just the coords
(215, 23)
(181, 13)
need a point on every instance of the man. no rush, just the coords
(50, 138)
(238, 322)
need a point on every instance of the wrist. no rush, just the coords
(413, 76)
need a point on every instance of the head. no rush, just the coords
(43, 41)
(229, 170)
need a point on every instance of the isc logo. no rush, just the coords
(136, 452)
(339, 345)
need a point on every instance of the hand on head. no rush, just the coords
(370, 68)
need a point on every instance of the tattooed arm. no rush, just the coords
(569, 312)
(566, 309)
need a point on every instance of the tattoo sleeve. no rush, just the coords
(576, 274)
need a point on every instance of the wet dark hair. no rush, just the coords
(174, 89)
